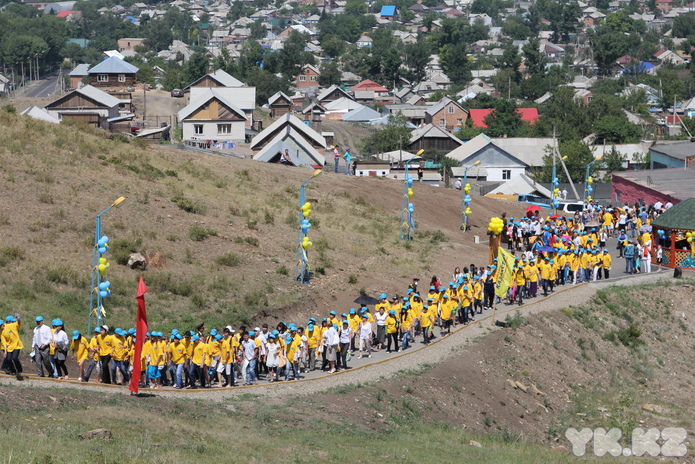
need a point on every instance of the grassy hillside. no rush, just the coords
(226, 226)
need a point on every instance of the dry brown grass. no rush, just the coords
(55, 179)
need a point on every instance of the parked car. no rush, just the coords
(178, 93)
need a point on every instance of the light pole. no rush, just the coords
(302, 270)
(407, 209)
(588, 180)
(466, 198)
(556, 184)
(100, 288)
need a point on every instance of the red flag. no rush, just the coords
(141, 329)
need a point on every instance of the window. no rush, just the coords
(121, 78)
(313, 78)
(442, 123)
(102, 77)
(302, 78)
(459, 122)
(198, 129)
(224, 129)
(451, 109)
(506, 174)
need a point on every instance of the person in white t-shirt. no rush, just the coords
(330, 341)
(365, 335)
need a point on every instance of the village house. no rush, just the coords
(212, 116)
(130, 43)
(308, 77)
(113, 72)
(88, 105)
(447, 114)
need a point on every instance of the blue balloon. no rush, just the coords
(103, 286)
(555, 180)
(590, 189)
(305, 221)
(468, 198)
(103, 240)
(467, 202)
(410, 178)
(103, 294)
(556, 203)
(410, 182)
(411, 208)
(102, 250)
(305, 230)
(108, 284)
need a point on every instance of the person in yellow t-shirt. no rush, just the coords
(80, 351)
(519, 280)
(12, 345)
(120, 355)
(446, 307)
(466, 304)
(155, 355)
(406, 323)
(544, 268)
(199, 350)
(354, 323)
(105, 345)
(391, 324)
(607, 260)
(313, 337)
(177, 359)
(477, 294)
(532, 278)
(426, 322)
(383, 303)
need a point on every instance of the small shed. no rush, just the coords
(280, 104)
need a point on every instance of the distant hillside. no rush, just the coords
(226, 227)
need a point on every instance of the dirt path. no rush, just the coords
(435, 353)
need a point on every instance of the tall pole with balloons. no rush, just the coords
(690, 238)
(101, 287)
(407, 208)
(589, 181)
(303, 270)
(556, 185)
(494, 230)
(466, 199)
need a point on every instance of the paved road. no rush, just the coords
(43, 88)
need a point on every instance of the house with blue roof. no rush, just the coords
(388, 12)
(113, 72)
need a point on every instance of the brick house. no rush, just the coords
(308, 77)
(447, 114)
(130, 43)
(664, 5)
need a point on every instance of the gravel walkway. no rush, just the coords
(382, 365)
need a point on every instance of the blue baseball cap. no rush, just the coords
(393, 311)
(213, 332)
(39, 318)
(383, 296)
(332, 313)
(218, 337)
(310, 327)
(10, 319)
(446, 296)
(365, 316)
(353, 311)
(442, 289)
(335, 326)
(251, 333)
(195, 338)
(75, 334)
(179, 336)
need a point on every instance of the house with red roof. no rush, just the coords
(68, 15)
(371, 86)
(529, 115)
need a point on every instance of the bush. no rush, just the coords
(352, 279)
(282, 270)
(121, 249)
(198, 232)
(188, 205)
(9, 254)
(228, 259)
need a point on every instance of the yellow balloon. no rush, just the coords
(410, 194)
(102, 260)
(589, 198)
(305, 213)
(689, 234)
(306, 206)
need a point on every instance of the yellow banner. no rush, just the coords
(505, 271)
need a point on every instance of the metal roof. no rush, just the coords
(680, 216)
(114, 65)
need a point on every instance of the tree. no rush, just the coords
(616, 129)
(535, 60)
(516, 28)
(417, 57)
(455, 63)
(293, 55)
(393, 136)
(330, 74)
(684, 25)
(332, 45)
(196, 67)
(578, 154)
(504, 120)
(158, 36)
(611, 162)
(257, 30)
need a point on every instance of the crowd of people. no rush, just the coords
(551, 251)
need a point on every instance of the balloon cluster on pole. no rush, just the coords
(556, 192)
(690, 237)
(496, 225)
(306, 225)
(589, 188)
(104, 286)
